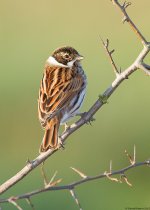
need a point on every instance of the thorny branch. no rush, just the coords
(126, 18)
(84, 178)
(109, 53)
(120, 77)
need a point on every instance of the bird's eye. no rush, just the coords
(66, 56)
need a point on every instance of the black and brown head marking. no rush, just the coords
(65, 54)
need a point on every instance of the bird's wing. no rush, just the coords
(58, 88)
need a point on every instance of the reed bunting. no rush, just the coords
(61, 93)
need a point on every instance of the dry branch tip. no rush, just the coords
(110, 166)
(132, 160)
(12, 201)
(79, 172)
(74, 196)
(109, 53)
(126, 4)
(30, 203)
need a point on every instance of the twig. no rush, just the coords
(138, 63)
(145, 68)
(109, 53)
(72, 185)
(128, 19)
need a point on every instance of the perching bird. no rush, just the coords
(61, 93)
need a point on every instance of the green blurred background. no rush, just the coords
(30, 31)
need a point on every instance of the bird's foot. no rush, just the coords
(66, 127)
(60, 144)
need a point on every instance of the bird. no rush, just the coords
(61, 94)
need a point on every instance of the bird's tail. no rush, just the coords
(50, 139)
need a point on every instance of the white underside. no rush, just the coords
(71, 113)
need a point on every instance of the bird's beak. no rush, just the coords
(79, 58)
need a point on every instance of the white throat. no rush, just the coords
(53, 62)
(70, 64)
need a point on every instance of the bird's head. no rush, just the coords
(64, 57)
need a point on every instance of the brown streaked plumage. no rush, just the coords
(61, 93)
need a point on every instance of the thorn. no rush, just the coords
(53, 177)
(102, 41)
(128, 156)
(52, 184)
(110, 168)
(128, 4)
(28, 161)
(124, 177)
(134, 155)
(30, 203)
(72, 192)
(131, 160)
(107, 43)
(120, 180)
(124, 4)
(79, 173)
(111, 52)
(44, 175)
(12, 201)
(120, 70)
(125, 19)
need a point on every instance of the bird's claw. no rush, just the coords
(66, 127)
(60, 144)
(87, 121)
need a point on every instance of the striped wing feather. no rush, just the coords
(58, 88)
